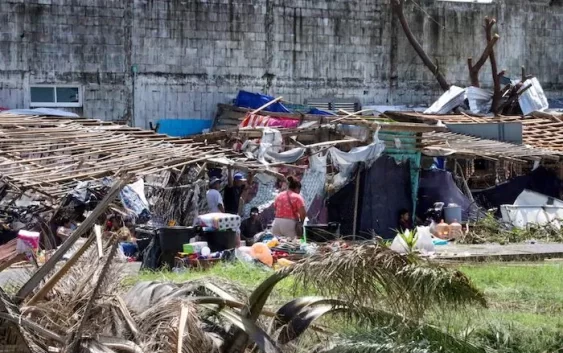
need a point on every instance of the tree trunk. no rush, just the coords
(397, 7)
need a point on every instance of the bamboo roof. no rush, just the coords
(229, 118)
(465, 145)
(541, 130)
(51, 155)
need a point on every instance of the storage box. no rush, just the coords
(172, 239)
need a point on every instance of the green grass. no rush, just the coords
(246, 275)
(525, 313)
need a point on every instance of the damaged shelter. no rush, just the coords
(496, 158)
(447, 160)
(342, 190)
(54, 168)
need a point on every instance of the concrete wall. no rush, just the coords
(192, 54)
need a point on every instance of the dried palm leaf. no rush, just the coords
(160, 323)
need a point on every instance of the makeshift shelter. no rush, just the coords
(439, 186)
(341, 137)
(54, 167)
(540, 180)
(386, 191)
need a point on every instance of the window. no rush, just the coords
(55, 96)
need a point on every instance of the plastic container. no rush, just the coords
(220, 240)
(27, 240)
(452, 213)
(172, 239)
(456, 231)
(443, 230)
(188, 249)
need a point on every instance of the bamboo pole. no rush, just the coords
(62, 271)
(356, 202)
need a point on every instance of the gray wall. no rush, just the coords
(194, 54)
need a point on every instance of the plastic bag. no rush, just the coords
(422, 242)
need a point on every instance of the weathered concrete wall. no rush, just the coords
(191, 55)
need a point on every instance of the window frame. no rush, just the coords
(56, 104)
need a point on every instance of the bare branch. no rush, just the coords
(397, 7)
(489, 24)
(474, 69)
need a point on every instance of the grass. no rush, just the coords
(525, 313)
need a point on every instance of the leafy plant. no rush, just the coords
(410, 237)
(366, 285)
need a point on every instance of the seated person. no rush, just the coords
(251, 226)
(64, 230)
(405, 221)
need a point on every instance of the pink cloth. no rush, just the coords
(255, 120)
(283, 123)
(285, 209)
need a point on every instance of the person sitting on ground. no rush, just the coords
(290, 210)
(214, 199)
(251, 226)
(65, 229)
(405, 221)
(121, 230)
(234, 192)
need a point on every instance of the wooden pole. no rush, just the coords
(266, 105)
(356, 202)
(63, 270)
(44, 270)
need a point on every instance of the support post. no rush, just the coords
(356, 202)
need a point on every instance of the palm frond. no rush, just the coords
(255, 306)
(429, 285)
(372, 274)
(251, 330)
(160, 325)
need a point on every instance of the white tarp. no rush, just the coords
(42, 111)
(480, 100)
(346, 161)
(313, 181)
(133, 197)
(270, 149)
(451, 99)
(532, 208)
(534, 99)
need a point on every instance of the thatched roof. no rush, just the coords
(51, 155)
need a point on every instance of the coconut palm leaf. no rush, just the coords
(301, 322)
(255, 306)
(430, 284)
(289, 310)
(370, 273)
(159, 327)
(370, 317)
(255, 333)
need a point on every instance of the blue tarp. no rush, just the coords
(182, 127)
(256, 100)
(316, 111)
